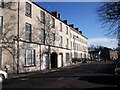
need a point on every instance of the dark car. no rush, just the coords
(84, 61)
(117, 68)
(117, 72)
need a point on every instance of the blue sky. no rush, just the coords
(83, 15)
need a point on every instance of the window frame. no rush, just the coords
(60, 26)
(43, 36)
(53, 22)
(1, 26)
(32, 58)
(67, 56)
(28, 32)
(66, 30)
(1, 3)
(53, 39)
(29, 14)
(1, 21)
(67, 42)
(61, 41)
(42, 17)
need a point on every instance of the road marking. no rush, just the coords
(24, 79)
(60, 78)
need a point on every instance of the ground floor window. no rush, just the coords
(29, 57)
(67, 56)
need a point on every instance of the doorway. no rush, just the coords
(54, 60)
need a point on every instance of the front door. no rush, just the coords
(45, 61)
(0, 56)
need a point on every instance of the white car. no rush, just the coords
(3, 75)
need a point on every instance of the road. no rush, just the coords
(95, 76)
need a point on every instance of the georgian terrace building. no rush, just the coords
(32, 38)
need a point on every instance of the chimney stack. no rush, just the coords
(65, 21)
(80, 32)
(77, 29)
(71, 25)
(56, 14)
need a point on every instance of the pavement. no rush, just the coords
(15, 75)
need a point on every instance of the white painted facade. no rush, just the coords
(34, 55)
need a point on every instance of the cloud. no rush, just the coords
(106, 42)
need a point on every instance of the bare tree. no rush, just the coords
(49, 31)
(109, 14)
(7, 32)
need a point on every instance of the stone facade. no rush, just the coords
(36, 39)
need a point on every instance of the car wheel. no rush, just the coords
(1, 78)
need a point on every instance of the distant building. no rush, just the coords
(103, 53)
(108, 54)
(32, 38)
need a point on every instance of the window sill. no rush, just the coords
(28, 15)
(29, 65)
(42, 22)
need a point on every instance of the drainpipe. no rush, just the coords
(40, 56)
(18, 40)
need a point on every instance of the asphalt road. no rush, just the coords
(91, 76)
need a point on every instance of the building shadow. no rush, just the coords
(105, 80)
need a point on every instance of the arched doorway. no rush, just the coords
(54, 60)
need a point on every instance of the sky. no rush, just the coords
(84, 16)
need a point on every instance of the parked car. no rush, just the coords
(84, 61)
(117, 72)
(3, 75)
(117, 68)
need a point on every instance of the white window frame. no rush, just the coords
(1, 21)
(29, 57)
